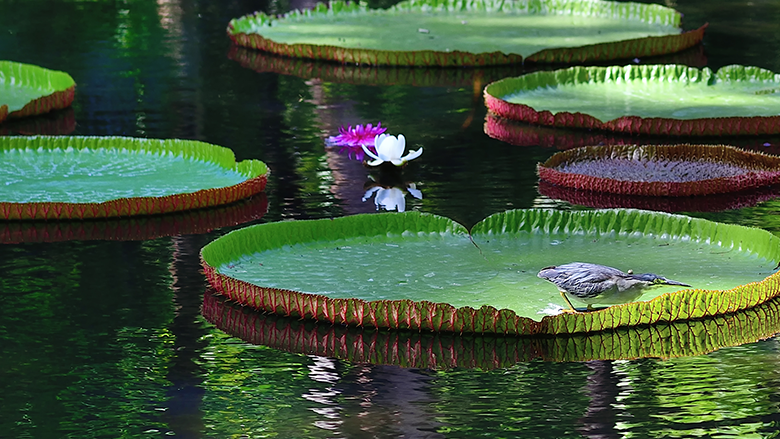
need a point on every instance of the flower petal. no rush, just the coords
(412, 155)
(378, 139)
(370, 154)
(391, 148)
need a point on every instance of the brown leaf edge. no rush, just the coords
(3, 112)
(626, 49)
(55, 101)
(632, 48)
(139, 228)
(759, 169)
(634, 125)
(125, 207)
(441, 350)
(420, 58)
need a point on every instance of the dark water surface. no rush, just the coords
(105, 338)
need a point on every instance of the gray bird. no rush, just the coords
(593, 283)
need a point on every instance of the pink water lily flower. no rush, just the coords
(352, 140)
(389, 149)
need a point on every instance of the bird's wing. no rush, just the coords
(587, 279)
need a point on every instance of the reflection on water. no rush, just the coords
(389, 188)
(105, 338)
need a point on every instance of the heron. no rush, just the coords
(594, 283)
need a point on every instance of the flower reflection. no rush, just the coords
(389, 149)
(392, 198)
(352, 140)
(389, 189)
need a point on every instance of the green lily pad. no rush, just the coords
(27, 90)
(99, 177)
(644, 99)
(422, 271)
(442, 350)
(468, 32)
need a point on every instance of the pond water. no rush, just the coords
(105, 338)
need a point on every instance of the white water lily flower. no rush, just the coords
(389, 149)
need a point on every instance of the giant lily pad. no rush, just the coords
(468, 32)
(27, 90)
(104, 177)
(644, 99)
(441, 350)
(661, 170)
(420, 271)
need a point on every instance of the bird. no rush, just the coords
(594, 283)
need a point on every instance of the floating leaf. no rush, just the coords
(421, 271)
(442, 350)
(105, 177)
(644, 99)
(28, 90)
(468, 32)
(661, 170)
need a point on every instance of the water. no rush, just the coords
(105, 338)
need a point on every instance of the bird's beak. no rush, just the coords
(674, 282)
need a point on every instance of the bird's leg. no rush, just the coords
(569, 302)
(590, 307)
